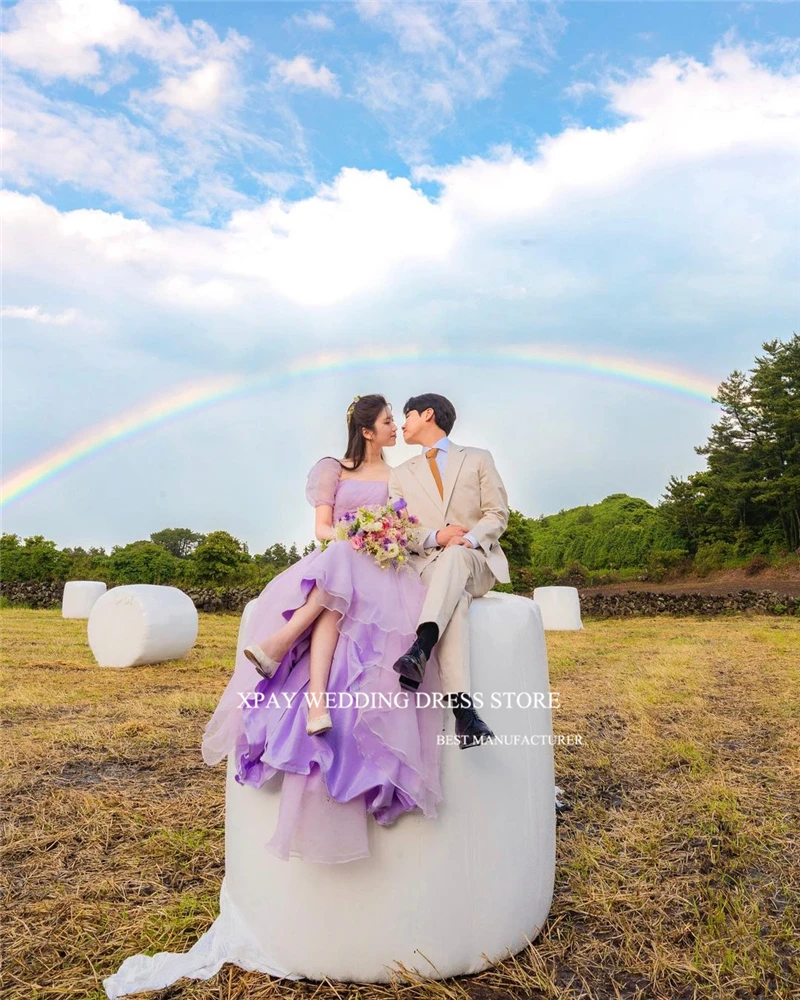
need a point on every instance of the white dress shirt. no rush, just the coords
(441, 461)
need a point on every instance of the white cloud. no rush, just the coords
(46, 141)
(158, 142)
(180, 290)
(416, 28)
(88, 40)
(366, 233)
(679, 112)
(318, 251)
(69, 38)
(277, 181)
(300, 72)
(440, 58)
(315, 20)
(504, 228)
(205, 91)
(202, 90)
(62, 39)
(36, 315)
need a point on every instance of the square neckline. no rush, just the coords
(353, 479)
(384, 482)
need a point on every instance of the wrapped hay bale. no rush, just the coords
(445, 897)
(560, 607)
(142, 623)
(460, 891)
(80, 596)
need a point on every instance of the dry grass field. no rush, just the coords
(678, 872)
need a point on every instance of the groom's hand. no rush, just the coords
(458, 540)
(445, 535)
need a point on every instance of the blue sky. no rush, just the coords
(198, 189)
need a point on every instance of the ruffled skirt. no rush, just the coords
(381, 758)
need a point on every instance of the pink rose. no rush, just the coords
(357, 542)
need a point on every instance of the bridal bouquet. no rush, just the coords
(382, 531)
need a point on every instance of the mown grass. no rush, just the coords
(678, 869)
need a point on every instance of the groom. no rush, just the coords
(462, 507)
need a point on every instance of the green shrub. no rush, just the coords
(575, 574)
(543, 576)
(713, 556)
(661, 563)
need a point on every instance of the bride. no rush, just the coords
(334, 622)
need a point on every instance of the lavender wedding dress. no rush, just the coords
(381, 758)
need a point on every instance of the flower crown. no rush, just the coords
(351, 408)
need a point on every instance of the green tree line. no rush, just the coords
(744, 506)
(175, 556)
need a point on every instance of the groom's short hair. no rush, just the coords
(444, 413)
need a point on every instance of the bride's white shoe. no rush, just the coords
(264, 664)
(320, 725)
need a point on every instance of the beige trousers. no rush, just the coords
(453, 578)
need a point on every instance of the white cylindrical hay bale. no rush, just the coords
(142, 623)
(560, 607)
(435, 894)
(248, 610)
(80, 597)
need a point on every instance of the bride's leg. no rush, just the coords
(280, 642)
(324, 637)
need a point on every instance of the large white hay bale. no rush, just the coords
(142, 623)
(443, 892)
(560, 607)
(477, 879)
(80, 597)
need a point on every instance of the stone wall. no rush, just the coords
(610, 605)
(35, 595)
(48, 595)
(650, 603)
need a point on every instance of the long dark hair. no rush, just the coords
(362, 414)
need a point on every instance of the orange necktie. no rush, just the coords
(430, 454)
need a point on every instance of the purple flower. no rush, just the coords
(399, 504)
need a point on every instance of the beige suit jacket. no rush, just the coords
(474, 495)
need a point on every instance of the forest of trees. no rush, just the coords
(744, 506)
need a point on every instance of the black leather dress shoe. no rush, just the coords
(411, 667)
(471, 730)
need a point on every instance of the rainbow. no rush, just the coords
(209, 392)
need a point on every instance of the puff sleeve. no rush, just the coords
(323, 480)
